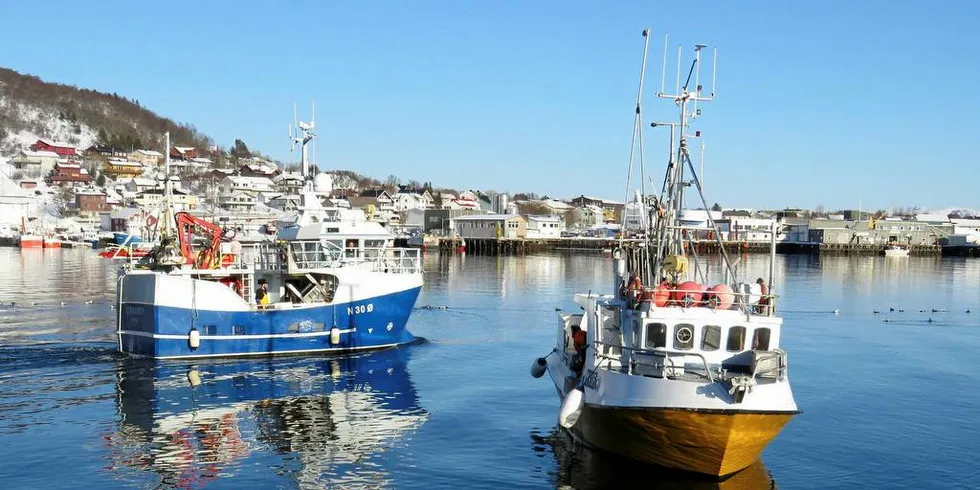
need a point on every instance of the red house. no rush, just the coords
(68, 173)
(61, 148)
(90, 202)
(183, 152)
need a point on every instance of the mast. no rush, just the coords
(166, 185)
(669, 232)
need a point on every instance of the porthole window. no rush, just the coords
(710, 338)
(760, 339)
(656, 335)
(736, 339)
(683, 336)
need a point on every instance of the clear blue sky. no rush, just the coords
(818, 103)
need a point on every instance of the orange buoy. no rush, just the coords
(720, 297)
(688, 294)
(661, 294)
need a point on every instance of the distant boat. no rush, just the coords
(896, 250)
(51, 242)
(123, 238)
(30, 240)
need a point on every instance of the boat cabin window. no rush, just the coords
(683, 336)
(656, 335)
(351, 246)
(760, 339)
(710, 337)
(736, 339)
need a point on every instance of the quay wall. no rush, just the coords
(521, 246)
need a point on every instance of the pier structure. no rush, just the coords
(522, 246)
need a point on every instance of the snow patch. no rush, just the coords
(42, 124)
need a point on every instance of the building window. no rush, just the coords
(760, 339)
(736, 339)
(683, 336)
(656, 335)
(238, 329)
(710, 338)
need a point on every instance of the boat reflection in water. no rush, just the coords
(319, 422)
(580, 467)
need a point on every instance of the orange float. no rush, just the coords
(720, 297)
(688, 294)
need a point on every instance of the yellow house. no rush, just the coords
(180, 199)
(116, 168)
(149, 158)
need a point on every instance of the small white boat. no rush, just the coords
(677, 367)
(896, 250)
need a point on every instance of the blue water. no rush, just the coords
(885, 404)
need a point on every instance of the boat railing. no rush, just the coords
(664, 364)
(314, 255)
(751, 303)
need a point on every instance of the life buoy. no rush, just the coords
(151, 220)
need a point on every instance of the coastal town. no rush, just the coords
(56, 195)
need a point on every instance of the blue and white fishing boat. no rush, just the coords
(335, 283)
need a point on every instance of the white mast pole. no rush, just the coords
(166, 183)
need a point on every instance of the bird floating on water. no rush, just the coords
(64, 303)
(836, 312)
(88, 302)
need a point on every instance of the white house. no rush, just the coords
(235, 183)
(406, 199)
(35, 163)
(466, 200)
(237, 201)
(746, 229)
(288, 182)
(544, 226)
(140, 184)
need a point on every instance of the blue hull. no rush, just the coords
(164, 332)
(120, 238)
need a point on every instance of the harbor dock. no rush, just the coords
(523, 246)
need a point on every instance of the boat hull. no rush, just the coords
(31, 241)
(151, 329)
(120, 238)
(710, 442)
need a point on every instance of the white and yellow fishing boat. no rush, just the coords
(677, 367)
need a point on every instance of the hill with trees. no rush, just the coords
(31, 108)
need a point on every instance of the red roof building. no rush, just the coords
(91, 202)
(68, 173)
(61, 148)
(183, 152)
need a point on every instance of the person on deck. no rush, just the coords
(763, 296)
(579, 343)
(262, 293)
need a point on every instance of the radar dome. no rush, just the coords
(323, 183)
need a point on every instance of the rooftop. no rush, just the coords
(487, 217)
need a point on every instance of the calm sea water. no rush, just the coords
(885, 404)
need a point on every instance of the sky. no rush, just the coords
(834, 103)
